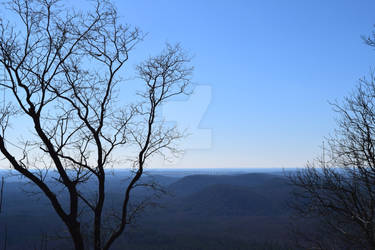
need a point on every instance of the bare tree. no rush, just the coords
(62, 80)
(335, 194)
(337, 191)
(3, 114)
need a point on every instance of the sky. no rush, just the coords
(268, 68)
(265, 72)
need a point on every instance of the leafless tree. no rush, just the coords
(62, 77)
(337, 191)
(335, 194)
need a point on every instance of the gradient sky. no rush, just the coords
(272, 67)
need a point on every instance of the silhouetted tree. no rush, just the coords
(336, 193)
(61, 75)
(339, 187)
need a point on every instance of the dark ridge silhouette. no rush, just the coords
(226, 199)
(193, 183)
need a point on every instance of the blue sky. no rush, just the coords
(272, 67)
(267, 69)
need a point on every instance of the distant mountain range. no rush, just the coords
(232, 211)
